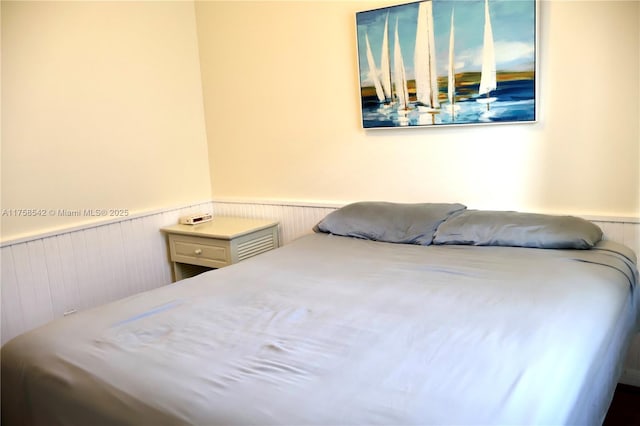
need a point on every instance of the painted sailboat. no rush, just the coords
(400, 81)
(373, 71)
(426, 77)
(385, 64)
(488, 74)
(451, 76)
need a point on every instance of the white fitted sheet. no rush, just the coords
(334, 330)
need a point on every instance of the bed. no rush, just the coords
(388, 314)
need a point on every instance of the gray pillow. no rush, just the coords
(389, 222)
(495, 228)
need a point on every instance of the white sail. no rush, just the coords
(422, 68)
(451, 78)
(385, 65)
(433, 77)
(399, 74)
(488, 76)
(426, 77)
(373, 71)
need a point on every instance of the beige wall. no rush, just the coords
(101, 108)
(281, 95)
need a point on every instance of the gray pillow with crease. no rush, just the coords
(514, 229)
(389, 222)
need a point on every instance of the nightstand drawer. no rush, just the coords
(199, 251)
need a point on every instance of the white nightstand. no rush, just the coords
(194, 249)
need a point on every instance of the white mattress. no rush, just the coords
(333, 330)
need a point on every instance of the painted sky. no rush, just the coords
(513, 23)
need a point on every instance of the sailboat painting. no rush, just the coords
(448, 62)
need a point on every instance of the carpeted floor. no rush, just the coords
(625, 407)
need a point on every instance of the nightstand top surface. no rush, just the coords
(221, 227)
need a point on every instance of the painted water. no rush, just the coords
(512, 100)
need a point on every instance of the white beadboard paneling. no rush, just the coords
(159, 244)
(25, 287)
(13, 317)
(627, 233)
(44, 278)
(295, 220)
(92, 281)
(137, 262)
(86, 297)
(110, 247)
(99, 269)
(57, 283)
(631, 236)
(34, 279)
(68, 261)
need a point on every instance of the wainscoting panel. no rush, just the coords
(627, 233)
(47, 278)
(295, 220)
